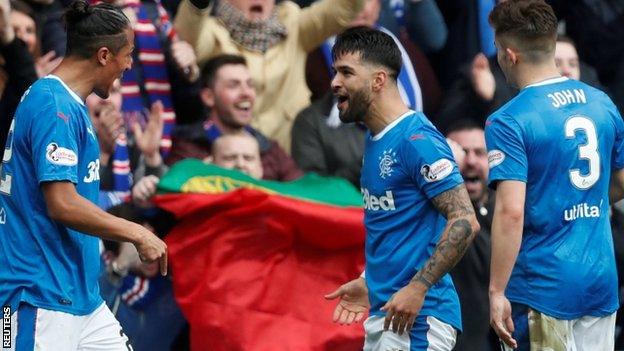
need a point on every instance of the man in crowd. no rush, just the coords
(229, 94)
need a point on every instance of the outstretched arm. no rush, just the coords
(353, 303)
(460, 230)
(67, 207)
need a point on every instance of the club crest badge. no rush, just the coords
(386, 161)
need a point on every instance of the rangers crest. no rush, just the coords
(386, 161)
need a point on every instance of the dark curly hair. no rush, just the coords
(374, 46)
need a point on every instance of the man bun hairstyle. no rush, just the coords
(90, 27)
(374, 47)
(531, 25)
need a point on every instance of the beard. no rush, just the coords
(357, 107)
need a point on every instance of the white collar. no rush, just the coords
(71, 92)
(391, 125)
(547, 81)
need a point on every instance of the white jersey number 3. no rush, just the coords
(587, 151)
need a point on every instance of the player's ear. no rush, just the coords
(511, 55)
(379, 80)
(104, 55)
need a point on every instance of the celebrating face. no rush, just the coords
(351, 87)
(116, 64)
(474, 168)
(232, 95)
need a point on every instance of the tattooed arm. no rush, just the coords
(461, 228)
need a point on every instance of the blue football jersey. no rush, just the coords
(562, 138)
(404, 166)
(42, 262)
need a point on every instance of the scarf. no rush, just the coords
(258, 35)
(146, 82)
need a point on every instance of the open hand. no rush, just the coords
(108, 125)
(47, 63)
(482, 78)
(353, 303)
(148, 140)
(144, 189)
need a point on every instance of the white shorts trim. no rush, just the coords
(434, 336)
(54, 330)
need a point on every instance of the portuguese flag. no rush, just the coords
(252, 259)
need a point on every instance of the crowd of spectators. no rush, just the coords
(245, 84)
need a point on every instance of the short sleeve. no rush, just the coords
(507, 157)
(430, 163)
(618, 146)
(54, 146)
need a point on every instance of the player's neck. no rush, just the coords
(532, 74)
(77, 75)
(385, 109)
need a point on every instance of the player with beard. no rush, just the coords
(49, 183)
(418, 216)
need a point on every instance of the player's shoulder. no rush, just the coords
(415, 124)
(418, 134)
(48, 96)
(36, 100)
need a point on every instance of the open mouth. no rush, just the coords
(243, 106)
(471, 179)
(256, 10)
(342, 101)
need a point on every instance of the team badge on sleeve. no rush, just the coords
(438, 170)
(495, 158)
(60, 156)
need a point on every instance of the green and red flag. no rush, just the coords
(252, 259)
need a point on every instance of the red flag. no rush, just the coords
(250, 268)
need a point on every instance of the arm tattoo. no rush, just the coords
(455, 205)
